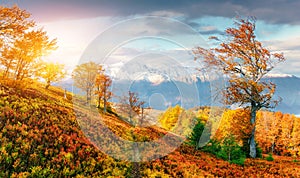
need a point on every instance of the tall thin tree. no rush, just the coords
(102, 84)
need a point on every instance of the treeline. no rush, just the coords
(90, 77)
(22, 46)
(277, 133)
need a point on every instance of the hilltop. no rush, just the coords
(41, 137)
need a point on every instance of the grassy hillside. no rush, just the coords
(40, 136)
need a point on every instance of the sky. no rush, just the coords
(115, 32)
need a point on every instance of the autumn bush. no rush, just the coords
(40, 137)
(170, 117)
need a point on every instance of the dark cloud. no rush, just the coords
(193, 24)
(272, 11)
(212, 32)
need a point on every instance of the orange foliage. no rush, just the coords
(185, 162)
(275, 132)
(278, 133)
(244, 60)
(131, 107)
(102, 84)
(42, 138)
(169, 118)
(51, 72)
(84, 76)
(235, 122)
(22, 43)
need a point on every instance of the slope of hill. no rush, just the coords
(40, 137)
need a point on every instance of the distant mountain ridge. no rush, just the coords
(288, 88)
(197, 92)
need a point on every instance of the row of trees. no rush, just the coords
(91, 78)
(277, 133)
(22, 45)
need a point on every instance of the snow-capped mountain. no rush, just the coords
(161, 91)
(166, 71)
(279, 75)
(157, 72)
(288, 88)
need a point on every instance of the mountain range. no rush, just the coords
(198, 92)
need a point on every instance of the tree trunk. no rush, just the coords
(48, 85)
(272, 147)
(104, 105)
(142, 118)
(99, 102)
(252, 137)
(252, 144)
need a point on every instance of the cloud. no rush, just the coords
(210, 30)
(273, 11)
(164, 13)
(291, 50)
(75, 23)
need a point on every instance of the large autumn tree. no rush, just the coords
(13, 23)
(22, 43)
(84, 76)
(245, 61)
(51, 72)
